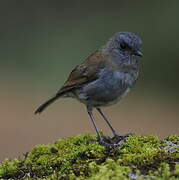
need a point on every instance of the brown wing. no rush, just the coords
(85, 72)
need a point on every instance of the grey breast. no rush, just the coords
(107, 89)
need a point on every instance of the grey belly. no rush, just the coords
(106, 90)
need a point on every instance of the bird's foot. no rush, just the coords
(119, 138)
(115, 142)
(110, 143)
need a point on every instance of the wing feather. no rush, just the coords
(85, 72)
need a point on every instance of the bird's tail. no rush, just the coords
(47, 103)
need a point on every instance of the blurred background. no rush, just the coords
(42, 41)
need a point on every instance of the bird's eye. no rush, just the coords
(123, 46)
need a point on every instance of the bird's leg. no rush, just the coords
(109, 124)
(101, 139)
(120, 137)
(94, 122)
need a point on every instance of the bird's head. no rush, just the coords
(125, 44)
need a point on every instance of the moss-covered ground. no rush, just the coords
(81, 157)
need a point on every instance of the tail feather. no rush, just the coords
(46, 104)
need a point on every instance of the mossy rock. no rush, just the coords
(81, 157)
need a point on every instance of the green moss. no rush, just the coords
(174, 139)
(9, 168)
(81, 157)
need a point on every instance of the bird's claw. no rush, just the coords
(119, 138)
(114, 142)
(108, 143)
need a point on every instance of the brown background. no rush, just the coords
(41, 41)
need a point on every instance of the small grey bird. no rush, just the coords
(104, 77)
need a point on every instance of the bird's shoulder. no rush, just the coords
(85, 72)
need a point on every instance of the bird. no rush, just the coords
(103, 78)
